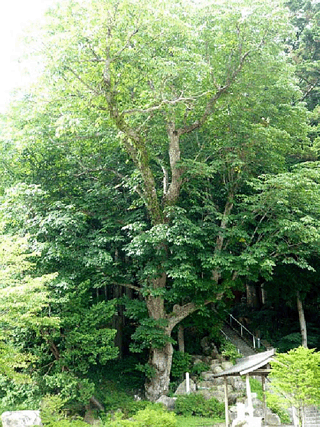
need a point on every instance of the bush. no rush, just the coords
(119, 400)
(53, 414)
(230, 352)
(274, 404)
(199, 367)
(256, 387)
(149, 417)
(180, 364)
(196, 404)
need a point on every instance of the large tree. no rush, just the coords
(193, 102)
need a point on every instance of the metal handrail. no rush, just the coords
(256, 342)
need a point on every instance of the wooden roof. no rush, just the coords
(254, 365)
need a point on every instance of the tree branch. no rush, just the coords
(82, 81)
(129, 286)
(181, 312)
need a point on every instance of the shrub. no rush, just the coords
(199, 367)
(196, 404)
(230, 352)
(256, 387)
(119, 400)
(180, 364)
(274, 404)
(53, 414)
(149, 417)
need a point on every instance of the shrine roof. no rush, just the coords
(250, 365)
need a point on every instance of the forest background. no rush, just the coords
(166, 159)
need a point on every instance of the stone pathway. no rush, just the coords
(237, 341)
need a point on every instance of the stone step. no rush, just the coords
(237, 341)
(312, 417)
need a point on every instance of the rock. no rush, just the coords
(214, 363)
(226, 365)
(168, 402)
(218, 381)
(207, 376)
(240, 423)
(182, 387)
(218, 395)
(233, 397)
(238, 384)
(258, 412)
(204, 385)
(231, 380)
(90, 419)
(217, 369)
(214, 352)
(232, 413)
(21, 419)
(273, 420)
(205, 345)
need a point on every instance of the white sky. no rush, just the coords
(15, 15)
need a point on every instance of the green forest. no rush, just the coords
(162, 170)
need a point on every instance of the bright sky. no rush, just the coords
(15, 15)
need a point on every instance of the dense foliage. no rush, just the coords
(166, 156)
(295, 376)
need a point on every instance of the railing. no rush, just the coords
(243, 331)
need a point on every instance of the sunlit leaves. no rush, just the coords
(297, 374)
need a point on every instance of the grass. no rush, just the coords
(197, 421)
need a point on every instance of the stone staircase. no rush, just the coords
(312, 417)
(237, 341)
(312, 413)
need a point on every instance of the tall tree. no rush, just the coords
(198, 100)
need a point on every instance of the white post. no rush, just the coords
(250, 406)
(187, 382)
(295, 417)
(226, 406)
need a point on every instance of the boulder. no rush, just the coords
(218, 381)
(214, 363)
(272, 420)
(217, 369)
(168, 402)
(204, 385)
(226, 365)
(21, 419)
(238, 384)
(207, 376)
(182, 387)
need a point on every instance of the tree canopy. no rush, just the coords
(163, 155)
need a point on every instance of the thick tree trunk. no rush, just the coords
(160, 360)
(302, 320)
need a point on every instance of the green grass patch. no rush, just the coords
(197, 421)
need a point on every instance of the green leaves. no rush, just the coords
(297, 374)
(150, 334)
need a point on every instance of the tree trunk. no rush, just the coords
(160, 360)
(302, 320)
(181, 338)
